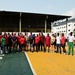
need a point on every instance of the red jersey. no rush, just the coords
(42, 38)
(18, 38)
(39, 38)
(36, 39)
(22, 40)
(63, 40)
(48, 39)
(0, 38)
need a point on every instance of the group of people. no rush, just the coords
(24, 42)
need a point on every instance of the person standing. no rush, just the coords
(53, 39)
(14, 42)
(48, 40)
(23, 43)
(70, 44)
(3, 43)
(63, 42)
(42, 42)
(58, 43)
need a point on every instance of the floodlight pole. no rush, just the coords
(66, 24)
(46, 24)
(20, 23)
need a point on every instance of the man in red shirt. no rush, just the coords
(42, 42)
(48, 39)
(63, 42)
(36, 42)
(22, 43)
(39, 41)
(18, 42)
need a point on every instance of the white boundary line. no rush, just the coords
(2, 55)
(0, 58)
(30, 64)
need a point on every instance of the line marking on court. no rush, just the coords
(30, 64)
(2, 55)
(0, 58)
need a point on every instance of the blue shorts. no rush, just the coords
(31, 45)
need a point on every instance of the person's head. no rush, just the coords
(62, 34)
(30, 33)
(26, 33)
(5, 33)
(57, 34)
(52, 34)
(3, 36)
(37, 35)
(71, 33)
(41, 34)
(48, 34)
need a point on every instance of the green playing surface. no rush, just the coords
(15, 64)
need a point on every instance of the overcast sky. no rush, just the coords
(60, 7)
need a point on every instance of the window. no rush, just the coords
(68, 30)
(64, 26)
(69, 25)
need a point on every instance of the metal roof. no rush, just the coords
(50, 17)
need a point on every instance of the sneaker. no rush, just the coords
(64, 53)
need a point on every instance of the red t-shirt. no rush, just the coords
(48, 39)
(36, 39)
(0, 38)
(63, 40)
(39, 38)
(42, 38)
(22, 41)
(18, 38)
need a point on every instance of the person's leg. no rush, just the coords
(69, 48)
(64, 50)
(57, 48)
(60, 48)
(3, 48)
(72, 48)
(49, 48)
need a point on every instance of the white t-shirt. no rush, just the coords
(58, 40)
(71, 38)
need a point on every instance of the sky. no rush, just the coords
(58, 7)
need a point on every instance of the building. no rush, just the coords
(11, 21)
(61, 27)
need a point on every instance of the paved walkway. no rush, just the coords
(15, 64)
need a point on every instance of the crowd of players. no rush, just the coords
(23, 42)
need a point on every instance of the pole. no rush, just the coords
(66, 24)
(20, 23)
(46, 24)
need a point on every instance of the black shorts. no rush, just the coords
(62, 45)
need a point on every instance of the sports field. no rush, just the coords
(42, 63)
(15, 64)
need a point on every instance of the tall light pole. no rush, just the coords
(66, 24)
(20, 22)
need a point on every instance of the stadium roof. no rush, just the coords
(50, 17)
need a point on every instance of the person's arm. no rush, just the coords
(74, 41)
